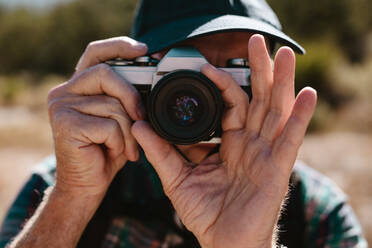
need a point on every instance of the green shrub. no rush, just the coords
(314, 69)
(10, 87)
(52, 42)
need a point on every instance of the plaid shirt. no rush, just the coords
(328, 220)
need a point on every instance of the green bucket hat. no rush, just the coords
(163, 23)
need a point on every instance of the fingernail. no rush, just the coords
(209, 67)
(140, 45)
(156, 56)
(256, 36)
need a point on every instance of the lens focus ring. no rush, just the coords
(185, 107)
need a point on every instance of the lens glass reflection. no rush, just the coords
(184, 109)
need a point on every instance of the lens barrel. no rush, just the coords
(185, 107)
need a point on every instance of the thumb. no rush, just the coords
(168, 163)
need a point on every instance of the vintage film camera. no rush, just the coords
(183, 106)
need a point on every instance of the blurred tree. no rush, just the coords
(314, 68)
(347, 23)
(72, 26)
(51, 42)
(329, 30)
(19, 39)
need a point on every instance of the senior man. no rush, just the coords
(106, 194)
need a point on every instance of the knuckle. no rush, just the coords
(225, 75)
(125, 40)
(55, 97)
(104, 70)
(114, 105)
(259, 98)
(113, 102)
(54, 92)
(125, 122)
(292, 142)
(275, 113)
(61, 122)
(53, 106)
(297, 120)
(91, 47)
(110, 124)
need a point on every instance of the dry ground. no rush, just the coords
(25, 140)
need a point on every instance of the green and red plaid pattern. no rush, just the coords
(329, 220)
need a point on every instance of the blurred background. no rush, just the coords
(41, 41)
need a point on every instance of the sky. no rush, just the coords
(31, 3)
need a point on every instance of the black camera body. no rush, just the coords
(183, 106)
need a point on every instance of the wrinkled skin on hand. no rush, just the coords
(233, 198)
(91, 117)
(230, 199)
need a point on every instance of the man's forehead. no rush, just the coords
(219, 48)
(236, 41)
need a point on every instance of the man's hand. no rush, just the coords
(233, 198)
(91, 116)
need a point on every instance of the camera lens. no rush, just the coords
(185, 107)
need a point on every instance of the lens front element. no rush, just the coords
(185, 107)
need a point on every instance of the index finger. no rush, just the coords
(102, 50)
(102, 80)
(236, 100)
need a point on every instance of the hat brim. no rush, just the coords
(171, 33)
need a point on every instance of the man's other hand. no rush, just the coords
(91, 116)
(233, 198)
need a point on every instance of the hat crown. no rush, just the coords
(151, 14)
